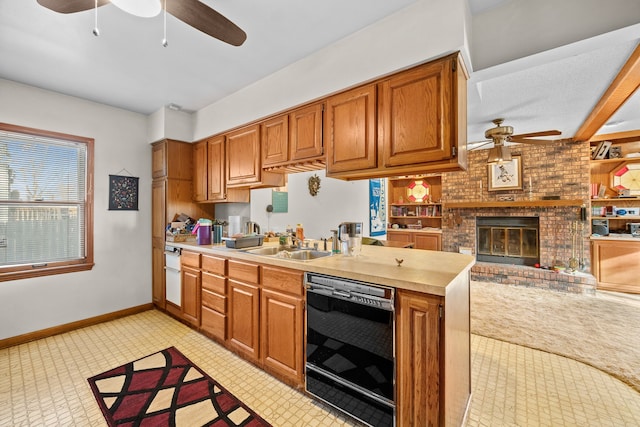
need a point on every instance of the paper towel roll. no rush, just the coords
(235, 225)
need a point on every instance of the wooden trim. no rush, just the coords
(621, 89)
(520, 204)
(67, 327)
(617, 137)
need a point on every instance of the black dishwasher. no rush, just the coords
(350, 357)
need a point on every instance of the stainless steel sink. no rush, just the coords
(290, 253)
(308, 255)
(267, 250)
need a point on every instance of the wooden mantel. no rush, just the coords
(514, 204)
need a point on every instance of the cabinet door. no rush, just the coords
(615, 265)
(243, 156)
(305, 139)
(191, 295)
(281, 334)
(418, 361)
(350, 130)
(432, 242)
(200, 171)
(158, 198)
(415, 111)
(243, 325)
(399, 236)
(216, 185)
(159, 159)
(275, 141)
(157, 275)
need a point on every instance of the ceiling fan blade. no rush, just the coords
(202, 17)
(71, 6)
(536, 134)
(521, 140)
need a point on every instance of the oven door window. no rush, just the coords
(352, 341)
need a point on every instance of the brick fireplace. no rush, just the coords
(560, 170)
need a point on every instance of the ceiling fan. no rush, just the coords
(501, 134)
(192, 12)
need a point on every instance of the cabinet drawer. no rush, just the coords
(214, 264)
(190, 259)
(214, 301)
(214, 323)
(282, 280)
(245, 272)
(214, 283)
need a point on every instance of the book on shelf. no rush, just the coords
(601, 150)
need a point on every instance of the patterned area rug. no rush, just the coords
(167, 389)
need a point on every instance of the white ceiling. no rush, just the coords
(553, 87)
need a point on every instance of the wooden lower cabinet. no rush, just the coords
(418, 359)
(191, 295)
(282, 323)
(243, 327)
(615, 265)
(420, 239)
(157, 274)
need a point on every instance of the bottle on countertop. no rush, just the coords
(300, 232)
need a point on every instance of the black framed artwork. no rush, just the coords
(123, 193)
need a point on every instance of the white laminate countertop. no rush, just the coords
(421, 270)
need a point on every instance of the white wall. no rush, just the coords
(121, 277)
(337, 201)
(424, 30)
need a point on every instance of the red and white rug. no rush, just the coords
(167, 389)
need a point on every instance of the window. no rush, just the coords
(46, 203)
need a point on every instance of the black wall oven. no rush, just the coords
(350, 353)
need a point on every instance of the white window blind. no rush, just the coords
(42, 199)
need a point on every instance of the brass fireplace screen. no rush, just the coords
(508, 240)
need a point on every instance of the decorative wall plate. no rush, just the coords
(418, 191)
(627, 177)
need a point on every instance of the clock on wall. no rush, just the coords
(627, 177)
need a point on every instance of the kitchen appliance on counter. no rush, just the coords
(251, 227)
(350, 235)
(350, 357)
(173, 285)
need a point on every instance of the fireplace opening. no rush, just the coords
(508, 239)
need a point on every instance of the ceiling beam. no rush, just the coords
(626, 136)
(622, 87)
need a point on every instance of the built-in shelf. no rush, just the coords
(515, 204)
(632, 217)
(617, 160)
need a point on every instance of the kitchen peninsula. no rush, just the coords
(241, 297)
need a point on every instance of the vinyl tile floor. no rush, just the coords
(44, 382)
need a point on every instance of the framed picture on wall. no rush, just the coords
(505, 175)
(377, 207)
(123, 193)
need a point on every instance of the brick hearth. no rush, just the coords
(555, 170)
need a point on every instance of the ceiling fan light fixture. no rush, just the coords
(499, 154)
(141, 8)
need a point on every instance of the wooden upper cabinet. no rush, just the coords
(350, 130)
(415, 115)
(171, 159)
(275, 141)
(243, 156)
(200, 171)
(216, 185)
(421, 122)
(305, 133)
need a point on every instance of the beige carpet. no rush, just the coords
(602, 330)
